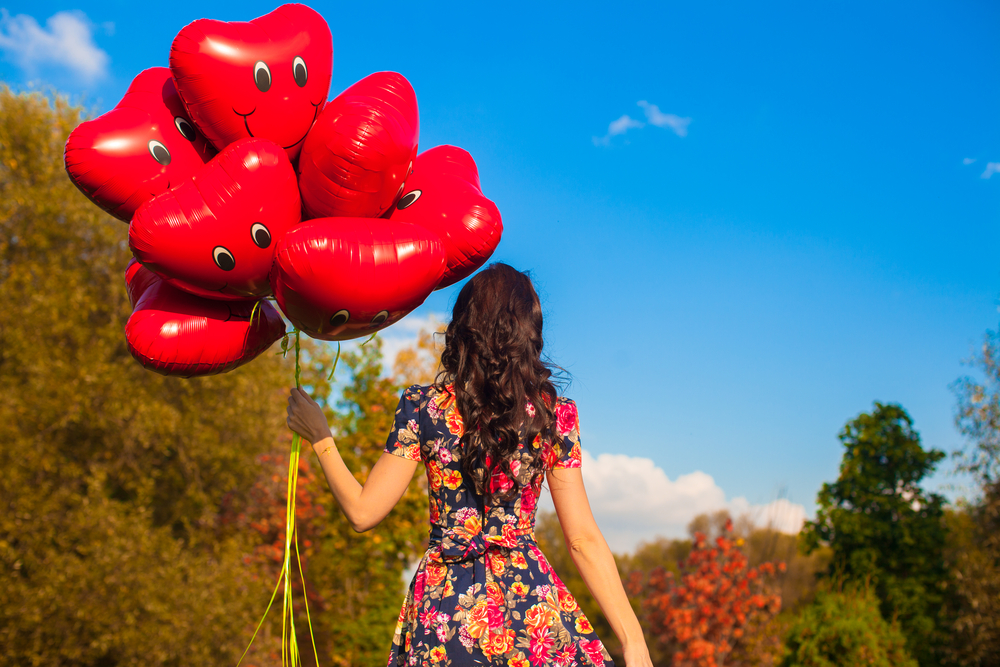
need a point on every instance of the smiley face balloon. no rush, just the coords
(139, 149)
(267, 78)
(172, 332)
(214, 235)
(343, 278)
(443, 195)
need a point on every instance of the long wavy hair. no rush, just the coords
(493, 358)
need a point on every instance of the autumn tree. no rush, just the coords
(975, 525)
(700, 616)
(114, 479)
(882, 526)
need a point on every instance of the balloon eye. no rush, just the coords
(408, 199)
(185, 128)
(340, 318)
(159, 152)
(223, 258)
(299, 71)
(260, 235)
(380, 318)
(262, 76)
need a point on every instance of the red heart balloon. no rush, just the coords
(267, 78)
(361, 149)
(342, 278)
(175, 333)
(138, 149)
(443, 195)
(214, 234)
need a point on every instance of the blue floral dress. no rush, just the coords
(484, 593)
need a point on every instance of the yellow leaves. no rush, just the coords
(418, 364)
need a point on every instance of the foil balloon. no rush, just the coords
(175, 333)
(137, 150)
(267, 78)
(361, 149)
(342, 278)
(214, 234)
(443, 195)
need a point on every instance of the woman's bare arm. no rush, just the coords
(593, 558)
(364, 506)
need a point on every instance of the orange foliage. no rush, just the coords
(700, 618)
(264, 514)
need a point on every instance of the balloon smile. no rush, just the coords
(246, 123)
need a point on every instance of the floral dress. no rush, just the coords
(484, 594)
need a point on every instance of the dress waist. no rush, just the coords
(457, 543)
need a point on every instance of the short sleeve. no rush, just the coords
(404, 438)
(566, 448)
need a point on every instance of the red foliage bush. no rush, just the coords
(700, 618)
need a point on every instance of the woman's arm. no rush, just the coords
(593, 558)
(364, 506)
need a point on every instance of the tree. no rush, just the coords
(700, 618)
(978, 415)
(974, 552)
(112, 550)
(881, 525)
(975, 526)
(843, 628)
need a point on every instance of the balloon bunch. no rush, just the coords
(241, 183)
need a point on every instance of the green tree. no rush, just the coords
(843, 628)
(111, 547)
(881, 525)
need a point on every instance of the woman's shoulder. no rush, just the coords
(567, 418)
(565, 400)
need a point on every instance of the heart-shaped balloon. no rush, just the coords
(267, 78)
(342, 278)
(175, 333)
(214, 234)
(361, 149)
(137, 150)
(443, 195)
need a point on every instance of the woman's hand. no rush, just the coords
(305, 417)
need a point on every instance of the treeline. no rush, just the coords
(886, 575)
(142, 518)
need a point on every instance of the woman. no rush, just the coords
(489, 430)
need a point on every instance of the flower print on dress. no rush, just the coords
(566, 418)
(484, 592)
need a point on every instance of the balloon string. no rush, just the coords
(290, 655)
(335, 360)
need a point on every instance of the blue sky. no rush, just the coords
(823, 235)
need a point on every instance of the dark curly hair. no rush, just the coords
(493, 357)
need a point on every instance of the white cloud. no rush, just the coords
(634, 500)
(658, 118)
(653, 115)
(66, 41)
(969, 160)
(616, 127)
(622, 125)
(991, 168)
